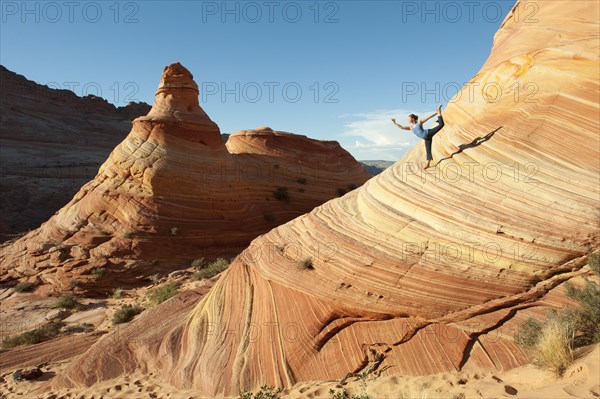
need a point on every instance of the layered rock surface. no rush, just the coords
(51, 143)
(172, 192)
(431, 270)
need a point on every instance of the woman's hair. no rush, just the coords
(415, 117)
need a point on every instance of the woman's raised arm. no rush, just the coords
(400, 126)
(428, 118)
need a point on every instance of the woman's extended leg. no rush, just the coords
(431, 132)
(428, 149)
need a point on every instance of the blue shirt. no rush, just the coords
(419, 131)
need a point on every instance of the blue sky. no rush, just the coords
(334, 70)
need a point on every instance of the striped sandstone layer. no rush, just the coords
(428, 270)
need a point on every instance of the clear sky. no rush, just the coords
(334, 70)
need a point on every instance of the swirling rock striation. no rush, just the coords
(430, 271)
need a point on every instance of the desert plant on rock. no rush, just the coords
(211, 269)
(40, 334)
(281, 194)
(126, 313)
(305, 263)
(162, 293)
(25, 286)
(67, 301)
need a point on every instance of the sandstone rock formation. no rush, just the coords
(419, 271)
(172, 192)
(52, 142)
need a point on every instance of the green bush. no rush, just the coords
(161, 294)
(67, 301)
(99, 271)
(126, 313)
(281, 194)
(40, 334)
(211, 269)
(117, 293)
(586, 316)
(552, 341)
(25, 286)
(174, 231)
(199, 263)
(306, 263)
(74, 284)
(266, 392)
(529, 333)
(84, 327)
(594, 263)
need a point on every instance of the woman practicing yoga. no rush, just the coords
(426, 134)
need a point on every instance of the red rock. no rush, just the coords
(381, 282)
(172, 192)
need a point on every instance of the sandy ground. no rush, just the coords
(582, 380)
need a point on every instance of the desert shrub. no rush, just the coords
(40, 334)
(74, 284)
(281, 194)
(301, 180)
(529, 333)
(84, 327)
(25, 286)
(341, 192)
(67, 301)
(551, 342)
(586, 316)
(306, 263)
(117, 293)
(99, 271)
(594, 263)
(211, 269)
(199, 263)
(553, 350)
(265, 392)
(174, 231)
(126, 313)
(161, 294)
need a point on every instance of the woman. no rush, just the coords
(426, 134)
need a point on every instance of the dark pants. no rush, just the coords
(430, 133)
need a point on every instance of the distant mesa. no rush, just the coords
(53, 142)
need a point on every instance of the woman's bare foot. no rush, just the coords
(439, 110)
